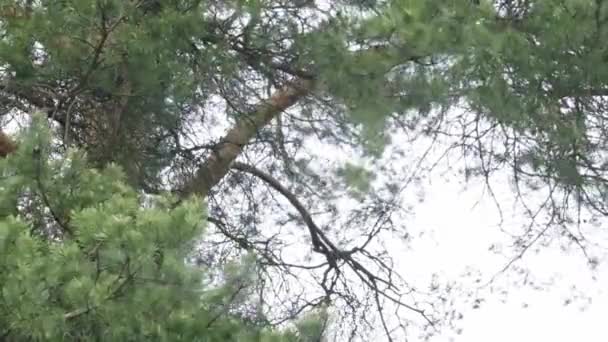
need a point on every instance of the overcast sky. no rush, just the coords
(460, 223)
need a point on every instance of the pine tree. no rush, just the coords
(113, 268)
(151, 85)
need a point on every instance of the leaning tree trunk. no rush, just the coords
(217, 165)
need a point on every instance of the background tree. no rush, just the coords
(227, 100)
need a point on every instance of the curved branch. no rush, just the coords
(315, 231)
(327, 248)
(321, 243)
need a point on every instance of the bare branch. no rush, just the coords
(323, 245)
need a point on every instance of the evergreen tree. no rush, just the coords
(151, 85)
(113, 268)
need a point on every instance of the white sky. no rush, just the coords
(458, 234)
(453, 227)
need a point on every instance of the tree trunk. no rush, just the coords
(218, 163)
(7, 146)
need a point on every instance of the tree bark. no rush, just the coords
(7, 146)
(217, 165)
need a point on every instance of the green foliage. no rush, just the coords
(131, 83)
(535, 69)
(404, 57)
(84, 259)
(129, 72)
(357, 177)
(312, 327)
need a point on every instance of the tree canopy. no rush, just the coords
(239, 103)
